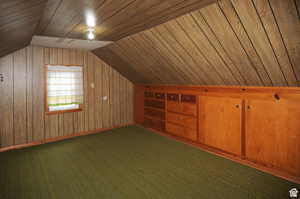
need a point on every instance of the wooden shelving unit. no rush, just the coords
(154, 110)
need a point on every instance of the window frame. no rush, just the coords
(47, 112)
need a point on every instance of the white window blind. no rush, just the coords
(64, 87)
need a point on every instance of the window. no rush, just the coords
(64, 88)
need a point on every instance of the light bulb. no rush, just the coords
(91, 35)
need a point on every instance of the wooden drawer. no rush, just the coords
(173, 97)
(189, 98)
(149, 94)
(190, 134)
(155, 104)
(189, 109)
(188, 121)
(154, 113)
(173, 106)
(174, 118)
(183, 120)
(160, 96)
(181, 131)
(174, 129)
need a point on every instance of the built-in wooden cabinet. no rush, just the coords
(273, 133)
(181, 115)
(220, 123)
(257, 125)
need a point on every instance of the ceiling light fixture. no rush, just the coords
(91, 34)
(91, 24)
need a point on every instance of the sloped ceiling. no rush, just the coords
(114, 19)
(231, 42)
(18, 20)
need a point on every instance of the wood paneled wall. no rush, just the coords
(23, 119)
(231, 42)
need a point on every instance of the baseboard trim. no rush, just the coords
(49, 140)
(240, 160)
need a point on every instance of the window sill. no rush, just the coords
(63, 111)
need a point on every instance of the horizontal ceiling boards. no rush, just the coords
(230, 42)
(18, 20)
(114, 19)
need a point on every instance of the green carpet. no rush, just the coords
(129, 163)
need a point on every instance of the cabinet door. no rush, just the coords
(273, 134)
(220, 123)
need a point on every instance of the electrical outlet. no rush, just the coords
(105, 98)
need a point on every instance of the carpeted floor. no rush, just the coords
(130, 163)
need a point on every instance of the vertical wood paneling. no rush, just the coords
(111, 95)
(22, 96)
(130, 102)
(72, 61)
(98, 93)
(86, 93)
(91, 90)
(29, 92)
(80, 115)
(104, 86)
(38, 94)
(19, 68)
(6, 102)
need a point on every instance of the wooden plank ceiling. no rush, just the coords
(231, 42)
(115, 19)
(18, 20)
